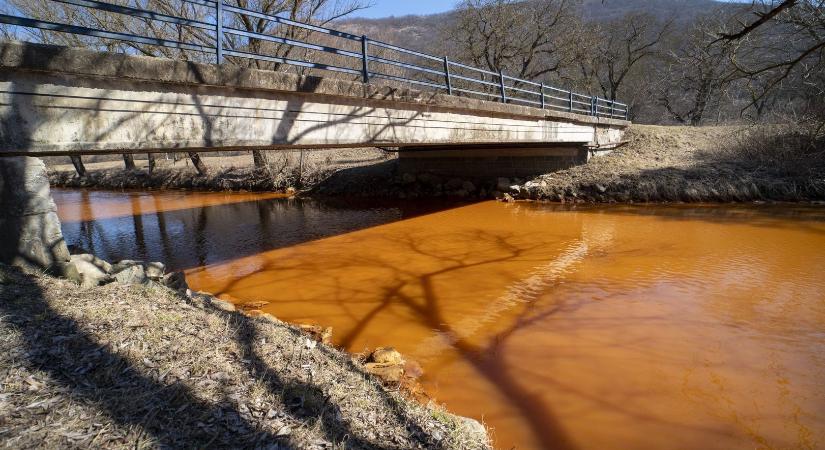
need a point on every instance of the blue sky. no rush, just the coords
(386, 8)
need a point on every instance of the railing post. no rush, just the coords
(570, 104)
(593, 105)
(447, 76)
(541, 92)
(365, 68)
(501, 83)
(219, 31)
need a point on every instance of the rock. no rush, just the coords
(269, 318)
(155, 270)
(87, 270)
(222, 305)
(176, 281)
(601, 188)
(507, 198)
(413, 370)
(387, 355)
(474, 428)
(503, 184)
(254, 304)
(97, 262)
(388, 373)
(132, 275)
(125, 264)
(317, 332)
(468, 186)
(453, 184)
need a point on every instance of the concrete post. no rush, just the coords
(29, 226)
(77, 162)
(129, 161)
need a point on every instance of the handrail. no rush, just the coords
(499, 85)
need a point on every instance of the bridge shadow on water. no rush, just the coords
(146, 227)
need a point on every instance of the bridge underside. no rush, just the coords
(59, 101)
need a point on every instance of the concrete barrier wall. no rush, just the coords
(56, 100)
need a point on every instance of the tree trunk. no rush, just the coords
(129, 160)
(151, 158)
(198, 163)
(77, 162)
(258, 158)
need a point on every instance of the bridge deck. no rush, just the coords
(60, 101)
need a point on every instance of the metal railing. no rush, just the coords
(366, 59)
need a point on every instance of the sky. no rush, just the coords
(386, 8)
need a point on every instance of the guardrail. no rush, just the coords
(366, 58)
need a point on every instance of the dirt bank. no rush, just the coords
(126, 366)
(693, 164)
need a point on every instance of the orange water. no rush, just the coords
(594, 328)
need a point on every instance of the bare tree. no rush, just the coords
(618, 47)
(526, 39)
(783, 40)
(695, 74)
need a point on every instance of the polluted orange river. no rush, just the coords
(595, 327)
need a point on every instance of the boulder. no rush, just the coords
(453, 184)
(125, 264)
(155, 270)
(474, 428)
(222, 305)
(87, 270)
(152, 270)
(413, 370)
(176, 281)
(386, 355)
(132, 275)
(503, 184)
(318, 332)
(388, 373)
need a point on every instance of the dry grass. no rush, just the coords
(694, 164)
(140, 367)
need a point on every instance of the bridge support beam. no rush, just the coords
(491, 161)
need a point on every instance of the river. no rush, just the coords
(589, 327)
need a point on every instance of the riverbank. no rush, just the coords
(135, 366)
(694, 164)
(658, 164)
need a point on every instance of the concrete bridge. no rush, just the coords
(66, 101)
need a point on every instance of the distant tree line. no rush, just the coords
(761, 61)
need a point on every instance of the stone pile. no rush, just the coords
(88, 270)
